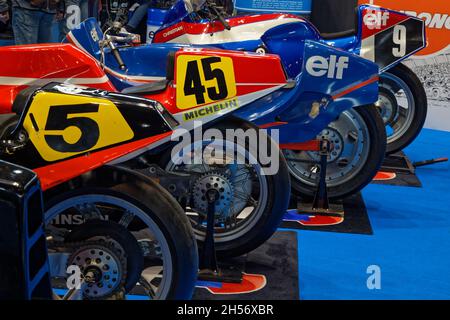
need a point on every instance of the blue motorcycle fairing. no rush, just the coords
(149, 62)
(176, 14)
(288, 41)
(87, 36)
(295, 106)
(142, 62)
(349, 44)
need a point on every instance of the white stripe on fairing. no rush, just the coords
(242, 102)
(75, 41)
(245, 32)
(189, 125)
(256, 84)
(19, 81)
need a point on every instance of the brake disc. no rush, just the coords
(103, 266)
(218, 182)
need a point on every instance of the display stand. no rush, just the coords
(398, 163)
(210, 268)
(321, 205)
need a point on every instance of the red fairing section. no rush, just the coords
(180, 28)
(23, 66)
(247, 66)
(375, 20)
(61, 172)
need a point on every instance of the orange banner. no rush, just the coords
(435, 13)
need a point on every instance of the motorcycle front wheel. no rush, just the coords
(253, 198)
(358, 141)
(132, 238)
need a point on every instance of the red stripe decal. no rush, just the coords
(60, 172)
(272, 124)
(356, 87)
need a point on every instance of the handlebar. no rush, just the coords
(117, 56)
(123, 39)
(111, 39)
(223, 21)
(219, 15)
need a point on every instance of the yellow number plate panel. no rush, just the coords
(61, 126)
(204, 80)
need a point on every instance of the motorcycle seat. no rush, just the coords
(335, 19)
(147, 88)
(22, 98)
(7, 122)
(337, 35)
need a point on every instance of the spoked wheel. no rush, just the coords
(130, 239)
(252, 201)
(358, 145)
(403, 106)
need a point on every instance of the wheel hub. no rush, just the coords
(336, 145)
(218, 182)
(103, 268)
(387, 105)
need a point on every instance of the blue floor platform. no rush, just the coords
(410, 244)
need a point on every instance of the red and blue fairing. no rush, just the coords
(383, 36)
(329, 82)
(320, 94)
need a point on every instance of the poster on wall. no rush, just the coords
(291, 6)
(432, 64)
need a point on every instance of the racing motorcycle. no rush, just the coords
(253, 186)
(116, 232)
(315, 105)
(383, 36)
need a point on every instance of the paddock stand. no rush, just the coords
(321, 205)
(400, 163)
(178, 184)
(210, 268)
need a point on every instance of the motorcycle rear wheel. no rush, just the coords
(268, 198)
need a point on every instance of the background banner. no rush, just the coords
(291, 6)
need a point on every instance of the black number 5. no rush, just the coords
(58, 121)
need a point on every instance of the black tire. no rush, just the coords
(421, 106)
(377, 135)
(277, 199)
(160, 207)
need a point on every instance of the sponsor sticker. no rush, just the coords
(221, 107)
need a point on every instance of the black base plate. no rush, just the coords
(274, 266)
(405, 173)
(355, 217)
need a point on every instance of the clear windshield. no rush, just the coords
(194, 5)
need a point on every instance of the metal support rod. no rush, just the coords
(321, 196)
(208, 259)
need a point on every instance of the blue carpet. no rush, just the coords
(411, 241)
